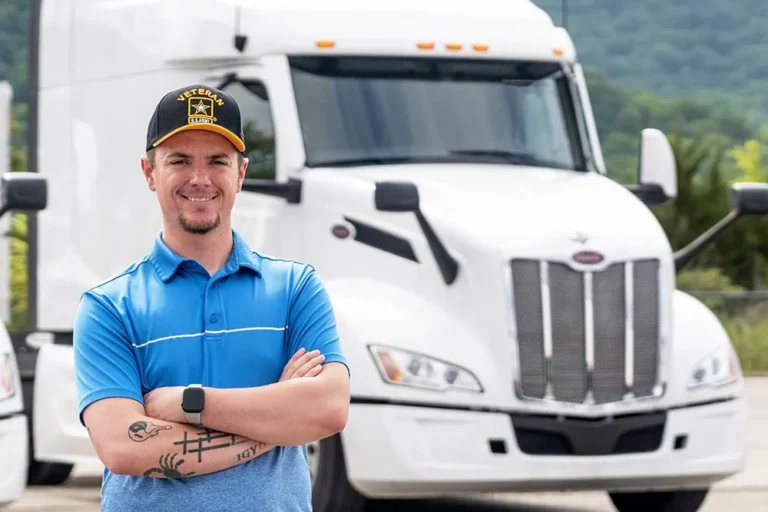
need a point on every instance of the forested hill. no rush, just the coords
(674, 48)
(14, 25)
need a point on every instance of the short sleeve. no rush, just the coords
(311, 320)
(105, 365)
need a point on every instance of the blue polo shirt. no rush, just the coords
(165, 322)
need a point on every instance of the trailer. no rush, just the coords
(509, 312)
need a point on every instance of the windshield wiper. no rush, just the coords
(511, 157)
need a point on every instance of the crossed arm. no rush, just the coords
(287, 413)
(129, 441)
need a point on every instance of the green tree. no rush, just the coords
(18, 244)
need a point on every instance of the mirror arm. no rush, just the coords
(690, 251)
(448, 265)
(290, 190)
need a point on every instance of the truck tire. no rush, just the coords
(331, 491)
(660, 501)
(48, 473)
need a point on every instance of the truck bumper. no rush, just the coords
(411, 451)
(14, 457)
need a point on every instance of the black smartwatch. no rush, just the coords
(193, 403)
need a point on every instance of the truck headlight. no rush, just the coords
(719, 368)
(410, 369)
(7, 377)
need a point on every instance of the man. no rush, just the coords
(204, 368)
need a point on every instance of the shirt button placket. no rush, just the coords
(213, 317)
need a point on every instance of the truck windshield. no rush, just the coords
(369, 110)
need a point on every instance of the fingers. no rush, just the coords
(315, 362)
(292, 362)
(314, 371)
(298, 362)
(302, 363)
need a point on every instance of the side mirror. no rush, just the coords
(394, 196)
(745, 199)
(26, 191)
(401, 196)
(658, 170)
(749, 198)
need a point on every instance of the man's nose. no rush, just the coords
(200, 176)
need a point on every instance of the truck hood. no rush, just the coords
(510, 206)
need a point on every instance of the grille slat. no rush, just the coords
(646, 316)
(594, 320)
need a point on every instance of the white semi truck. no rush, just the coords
(509, 312)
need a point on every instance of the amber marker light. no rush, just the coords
(390, 367)
(325, 44)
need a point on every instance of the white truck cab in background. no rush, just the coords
(509, 312)
(18, 191)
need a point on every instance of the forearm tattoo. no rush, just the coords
(204, 440)
(142, 430)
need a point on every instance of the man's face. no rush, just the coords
(196, 176)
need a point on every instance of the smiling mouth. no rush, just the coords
(199, 199)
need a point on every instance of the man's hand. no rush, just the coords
(165, 403)
(303, 364)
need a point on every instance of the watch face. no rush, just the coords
(193, 400)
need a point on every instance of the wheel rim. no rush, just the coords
(313, 456)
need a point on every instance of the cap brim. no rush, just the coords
(231, 137)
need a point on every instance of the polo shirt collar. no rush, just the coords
(167, 262)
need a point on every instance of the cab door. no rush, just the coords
(267, 220)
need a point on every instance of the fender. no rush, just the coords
(697, 332)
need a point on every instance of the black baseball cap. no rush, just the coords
(196, 107)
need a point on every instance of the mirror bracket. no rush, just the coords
(746, 199)
(289, 190)
(395, 196)
(652, 194)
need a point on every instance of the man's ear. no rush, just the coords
(241, 174)
(148, 172)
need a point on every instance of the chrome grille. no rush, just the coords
(586, 337)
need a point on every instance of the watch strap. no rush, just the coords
(193, 418)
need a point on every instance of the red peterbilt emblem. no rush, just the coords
(588, 257)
